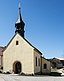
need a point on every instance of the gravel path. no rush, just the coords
(12, 77)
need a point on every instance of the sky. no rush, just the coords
(44, 24)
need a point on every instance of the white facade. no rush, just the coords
(20, 51)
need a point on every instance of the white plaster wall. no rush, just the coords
(37, 69)
(22, 52)
(48, 70)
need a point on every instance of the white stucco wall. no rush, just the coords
(37, 69)
(48, 69)
(22, 53)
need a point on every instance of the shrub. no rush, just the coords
(7, 72)
(0, 71)
(55, 74)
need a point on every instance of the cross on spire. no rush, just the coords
(19, 3)
(19, 7)
(19, 13)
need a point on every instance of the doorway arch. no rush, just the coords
(17, 68)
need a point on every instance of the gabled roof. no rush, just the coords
(25, 40)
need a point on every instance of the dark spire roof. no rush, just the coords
(19, 23)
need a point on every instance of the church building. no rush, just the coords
(20, 56)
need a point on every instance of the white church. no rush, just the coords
(19, 56)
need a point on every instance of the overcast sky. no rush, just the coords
(44, 24)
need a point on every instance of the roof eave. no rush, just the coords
(37, 51)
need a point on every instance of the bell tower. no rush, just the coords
(19, 25)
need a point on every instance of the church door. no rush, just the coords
(17, 67)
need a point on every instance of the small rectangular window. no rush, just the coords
(17, 42)
(45, 66)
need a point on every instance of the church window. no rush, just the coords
(36, 61)
(45, 66)
(17, 42)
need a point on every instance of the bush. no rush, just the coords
(22, 74)
(55, 74)
(7, 73)
(0, 71)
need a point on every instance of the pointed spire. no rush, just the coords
(19, 23)
(19, 13)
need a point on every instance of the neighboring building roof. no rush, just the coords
(25, 40)
(61, 58)
(1, 50)
(55, 62)
(56, 59)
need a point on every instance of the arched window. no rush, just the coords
(45, 66)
